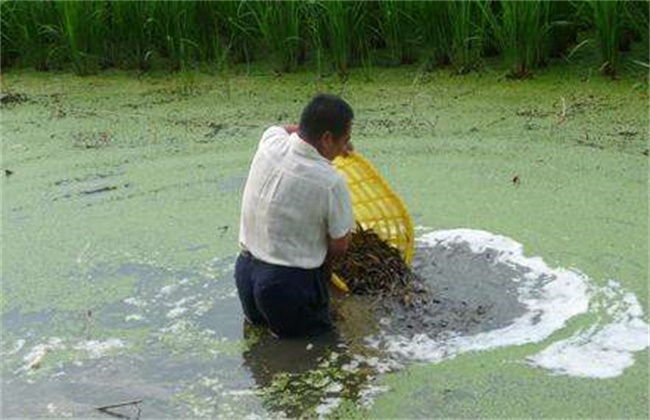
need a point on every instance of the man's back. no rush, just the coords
(292, 200)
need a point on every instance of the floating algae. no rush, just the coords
(373, 267)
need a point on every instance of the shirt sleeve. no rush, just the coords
(340, 218)
(273, 134)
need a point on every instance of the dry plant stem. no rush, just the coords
(122, 404)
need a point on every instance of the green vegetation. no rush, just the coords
(467, 32)
(322, 35)
(607, 21)
(520, 30)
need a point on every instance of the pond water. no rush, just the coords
(120, 203)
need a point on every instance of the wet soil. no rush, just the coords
(467, 293)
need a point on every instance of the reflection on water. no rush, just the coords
(182, 350)
(267, 356)
(284, 370)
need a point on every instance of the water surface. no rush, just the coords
(119, 231)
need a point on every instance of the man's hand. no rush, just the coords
(291, 128)
(347, 149)
(338, 247)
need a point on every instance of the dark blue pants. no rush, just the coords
(292, 301)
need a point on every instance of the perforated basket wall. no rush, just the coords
(375, 204)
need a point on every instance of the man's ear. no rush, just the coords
(327, 139)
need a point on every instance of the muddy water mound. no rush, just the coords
(458, 290)
(467, 292)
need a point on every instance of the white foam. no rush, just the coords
(167, 290)
(327, 406)
(18, 345)
(176, 312)
(135, 301)
(551, 296)
(96, 348)
(368, 394)
(603, 350)
(39, 351)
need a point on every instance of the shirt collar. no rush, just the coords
(302, 148)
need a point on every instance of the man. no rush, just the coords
(296, 214)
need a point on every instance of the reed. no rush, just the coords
(343, 26)
(19, 29)
(175, 31)
(82, 30)
(280, 27)
(398, 29)
(236, 30)
(314, 36)
(564, 27)
(607, 20)
(521, 31)
(637, 20)
(328, 35)
(31, 35)
(433, 20)
(466, 35)
(132, 36)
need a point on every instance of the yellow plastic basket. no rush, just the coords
(375, 207)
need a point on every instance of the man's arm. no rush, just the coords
(338, 247)
(291, 128)
(340, 219)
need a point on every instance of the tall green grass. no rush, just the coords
(607, 19)
(521, 31)
(637, 21)
(342, 25)
(280, 27)
(325, 35)
(467, 33)
(133, 45)
(395, 25)
(82, 27)
(234, 32)
(432, 19)
(29, 30)
(564, 28)
(175, 25)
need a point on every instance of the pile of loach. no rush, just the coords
(373, 267)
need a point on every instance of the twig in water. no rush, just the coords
(563, 113)
(80, 257)
(118, 415)
(122, 404)
(88, 323)
(106, 408)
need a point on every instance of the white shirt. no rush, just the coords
(292, 200)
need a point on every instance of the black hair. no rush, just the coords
(325, 112)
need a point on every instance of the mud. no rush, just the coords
(468, 293)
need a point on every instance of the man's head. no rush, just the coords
(326, 123)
